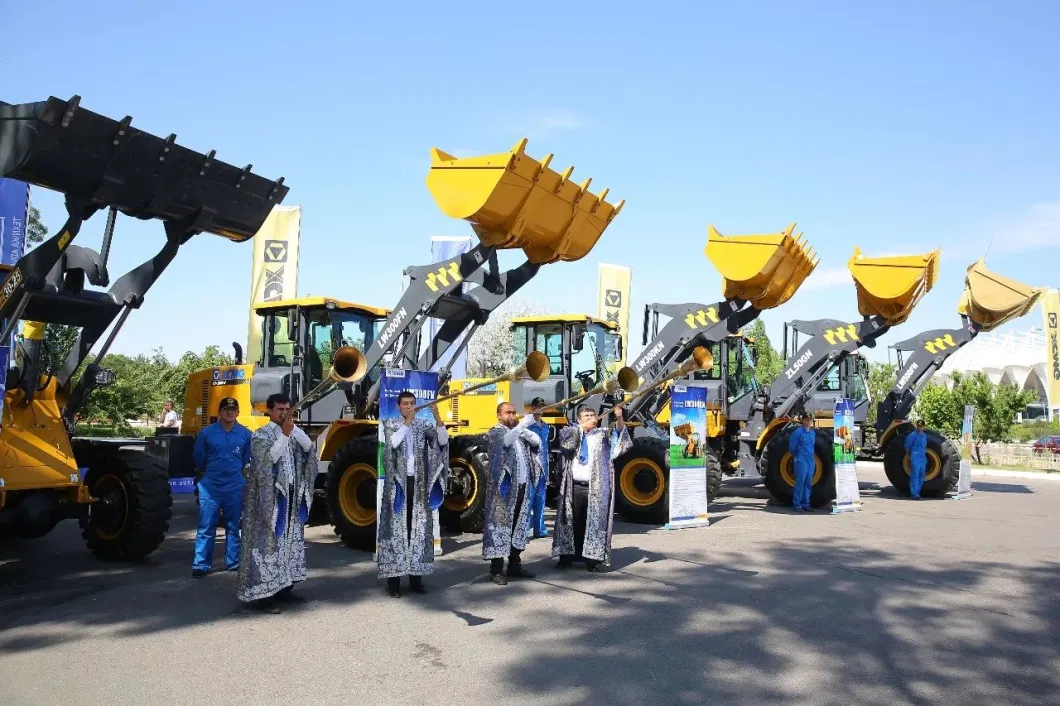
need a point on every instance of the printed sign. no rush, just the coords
(392, 383)
(14, 215)
(847, 494)
(688, 503)
(964, 473)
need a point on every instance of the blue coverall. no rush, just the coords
(801, 446)
(916, 445)
(537, 495)
(221, 455)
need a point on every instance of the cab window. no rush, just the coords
(549, 340)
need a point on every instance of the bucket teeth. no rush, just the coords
(512, 200)
(991, 300)
(765, 270)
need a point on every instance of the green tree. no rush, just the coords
(882, 377)
(770, 361)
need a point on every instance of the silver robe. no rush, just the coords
(398, 554)
(276, 500)
(599, 516)
(502, 491)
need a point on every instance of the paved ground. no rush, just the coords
(906, 602)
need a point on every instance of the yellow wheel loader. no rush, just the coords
(117, 491)
(328, 355)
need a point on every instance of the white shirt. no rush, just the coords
(281, 449)
(520, 430)
(170, 419)
(583, 472)
(410, 451)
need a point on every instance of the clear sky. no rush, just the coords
(898, 128)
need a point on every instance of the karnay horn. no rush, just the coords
(347, 365)
(627, 380)
(535, 368)
(701, 359)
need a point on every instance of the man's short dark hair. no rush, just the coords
(405, 394)
(277, 398)
(585, 408)
(501, 406)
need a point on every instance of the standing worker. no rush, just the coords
(539, 488)
(801, 446)
(169, 415)
(916, 446)
(221, 453)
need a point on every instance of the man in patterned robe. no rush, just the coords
(514, 468)
(586, 505)
(416, 462)
(277, 496)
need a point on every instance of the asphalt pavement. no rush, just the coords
(938, 601)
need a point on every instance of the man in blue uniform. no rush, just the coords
(801, 444)
(916, 446)
(537, 492)
(222, 454)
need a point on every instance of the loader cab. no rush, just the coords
(298, 338)
(582, 352)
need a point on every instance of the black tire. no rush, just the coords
(136, 504)
(714, 474)
(464, 509)
(779, 471)
(943, 464)
(641, 477)
(350, 492)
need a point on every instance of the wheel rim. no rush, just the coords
(642, 482)
(462, 486)
(111, 511)
(787, 469)
(934, 465)
(357, 494)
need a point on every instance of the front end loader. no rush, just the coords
(117, 491)
(825, 368)
(989, 300)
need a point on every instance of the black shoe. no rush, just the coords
(393, 587)
(518, 572)
(198, 573)
(499, 579)
(591, 565)
(416, 585)
(266, 605)
(288, 596)
(565, 562)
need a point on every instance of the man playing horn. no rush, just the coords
(586, 506)
(514, 471)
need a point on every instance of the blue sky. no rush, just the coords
(898, 128)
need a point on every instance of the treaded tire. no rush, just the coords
(353, 533)
(714, 474)
(470, 455)
(650, 457)
(822, 492)
(949, 458)
(139, 485)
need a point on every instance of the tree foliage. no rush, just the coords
(492, 350)
(882, 377)
(770, 361)
(996, 407)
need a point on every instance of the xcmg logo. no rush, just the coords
(648, 357)
(797, 365)
(274, 255)
(1056, 355)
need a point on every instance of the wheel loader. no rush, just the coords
(328, 355)
(117, 491)
(989, 300)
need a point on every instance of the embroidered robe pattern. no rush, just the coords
(502, 491)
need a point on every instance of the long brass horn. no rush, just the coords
(347, 365)
(536, 368)
(701, 359)
(626, 379)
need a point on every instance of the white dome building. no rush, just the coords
(1012, 357)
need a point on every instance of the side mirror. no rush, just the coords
(577, 340)
(105, 377)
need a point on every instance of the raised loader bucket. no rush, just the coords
(892, 286)
(515, 201)
(765, 270)
(991, 300)
(59, 145)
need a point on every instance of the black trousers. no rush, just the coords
(514, 555)
(579, 513)
(410, 490)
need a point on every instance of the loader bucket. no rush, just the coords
(514, 201)
(765, 270)
(57, 144)
(991, 300)
(892, 286)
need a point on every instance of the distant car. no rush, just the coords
(1047, 443)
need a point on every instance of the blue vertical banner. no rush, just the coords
(14, 217)
(848, 495)
(688, 501)
(444, 247)
(392, 383)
